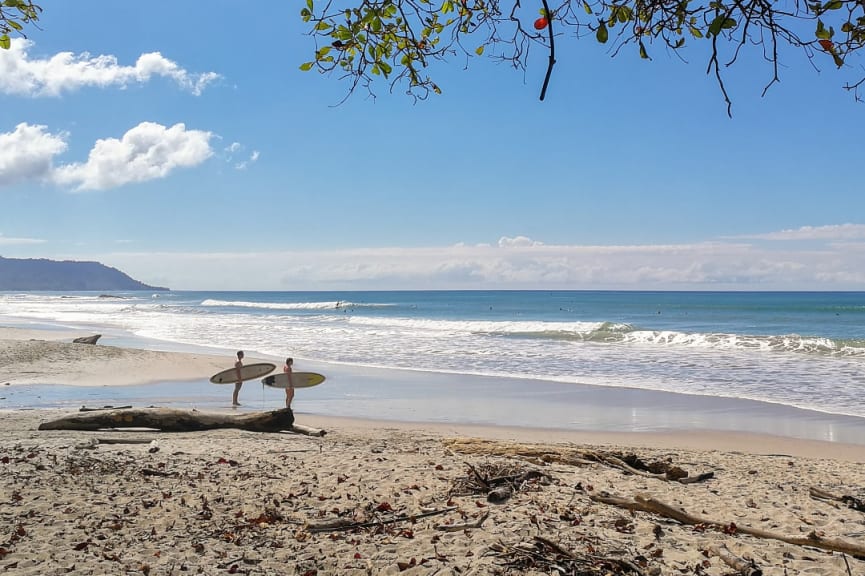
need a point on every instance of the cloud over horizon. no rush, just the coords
(21, 75)
(707, 265)
(832, 232)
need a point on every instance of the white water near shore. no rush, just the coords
(417, 396)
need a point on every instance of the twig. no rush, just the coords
(338, 525)
(463, 526)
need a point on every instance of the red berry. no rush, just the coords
(541, 23)
(826, 44)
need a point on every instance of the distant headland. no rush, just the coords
(64, 275)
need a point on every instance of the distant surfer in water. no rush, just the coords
(289, 390)
(237, 366)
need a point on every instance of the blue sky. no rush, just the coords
(249, 174)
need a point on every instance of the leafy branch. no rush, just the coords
(14, 15)
(397, 40)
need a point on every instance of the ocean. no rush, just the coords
(802, 350)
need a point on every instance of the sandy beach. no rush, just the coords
(374, 497)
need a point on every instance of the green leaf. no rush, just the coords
(587, 8)
(602, 35)
(322, 25)
(479, 50)
(306, 66)
(728, 23)
(309, 5)
(838, 60)
(833, 5)
(715, 26)
(643, 54)
(821, 32)
(847, 27)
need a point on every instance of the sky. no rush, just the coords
(180, 143)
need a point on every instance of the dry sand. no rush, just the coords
(231, 501)
(50, 357)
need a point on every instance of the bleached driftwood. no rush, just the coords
(647, 504)
(849, 501)
(307, 430)
(740, 565)
(171, 420)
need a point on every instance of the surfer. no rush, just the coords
(237, 366)
(289, 390)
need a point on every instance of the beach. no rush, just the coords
(387, 497)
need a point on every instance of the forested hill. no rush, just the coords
(42, 274)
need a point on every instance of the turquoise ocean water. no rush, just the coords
(790, 349)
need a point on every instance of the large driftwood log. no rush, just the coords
(170, 420)
(654, 506)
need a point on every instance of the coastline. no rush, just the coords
(47, 372)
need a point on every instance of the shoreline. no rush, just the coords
(60, 375)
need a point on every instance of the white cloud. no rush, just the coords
(833, 232)
(244, 164)
(518, 242)
(699, 266)
(235, 148)
(65, 72)
(145, 152)
(27, 153)
(9, 241)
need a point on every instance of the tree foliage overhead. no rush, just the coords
(14, 15)
(397, 40)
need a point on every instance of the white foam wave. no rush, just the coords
(490, 327)
(330, 305)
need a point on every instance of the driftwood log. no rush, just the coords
(170, 420)
(646, 504)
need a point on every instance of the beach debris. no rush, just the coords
(547, 556)
(478, 523)
(87, 339)
(740, 565)
(550, 454)
(307, 430)
(498, 480)
(172, 420)
(849, 501)
(644, 503)
(339, 524)
(108, 407)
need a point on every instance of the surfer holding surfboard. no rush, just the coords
(289, 390)
(237, 367)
